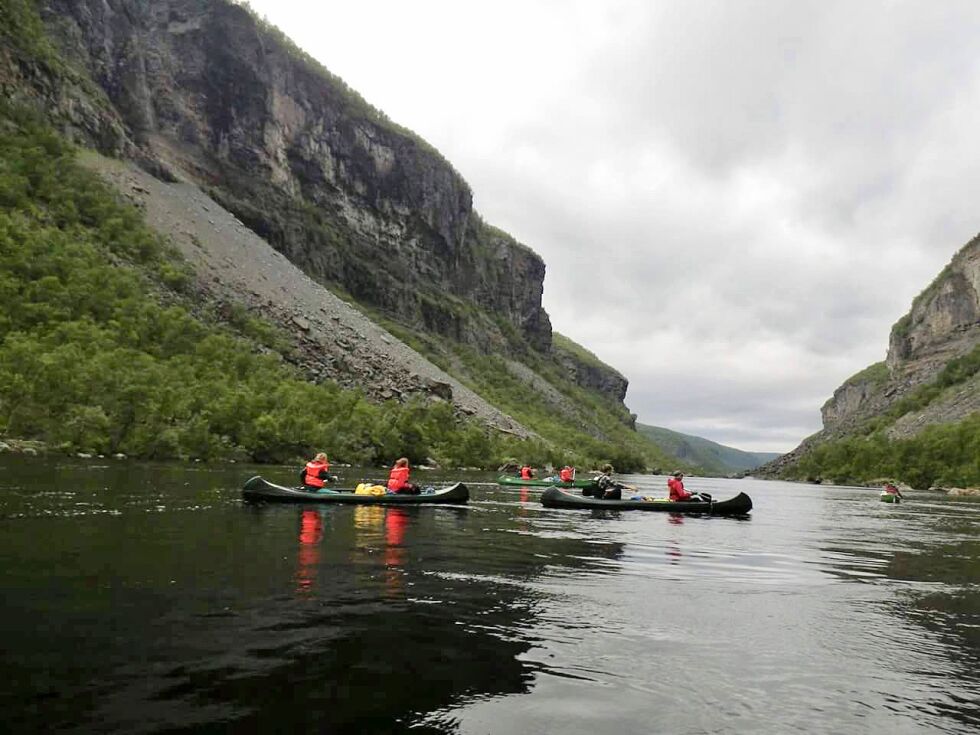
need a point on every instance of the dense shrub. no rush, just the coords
(945, 454)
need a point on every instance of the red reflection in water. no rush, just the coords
(310, 535)
(396, 522)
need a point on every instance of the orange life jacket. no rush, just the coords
(397, 478)
(525, 473)
(565, 475)
(313, 470)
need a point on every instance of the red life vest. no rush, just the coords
(313, 470)
(565, 475)
(397, 478)
(525, 473)
(677, 491)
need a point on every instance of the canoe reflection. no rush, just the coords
(308, 558)
(396, 522)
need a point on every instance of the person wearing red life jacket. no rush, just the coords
(398, 479)
(567, 474)
(892, 490)
(316, 474)
(678, 493)
(527, 473)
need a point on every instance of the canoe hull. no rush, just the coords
(740, 505)
(258, 489)
(508, 480)
(889, 498)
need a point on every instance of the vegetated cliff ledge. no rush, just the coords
(204, 90)
(929, 376)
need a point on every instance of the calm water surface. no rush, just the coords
(149, 598)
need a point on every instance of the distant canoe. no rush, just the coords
(543, 482)
(890, 498)
(260, 489)
(740, 505)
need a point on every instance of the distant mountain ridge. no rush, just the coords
(708, 455)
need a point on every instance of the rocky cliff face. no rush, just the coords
(206, 98)
(944, 321)
(943, 324)
(199, 89)
(593, 376)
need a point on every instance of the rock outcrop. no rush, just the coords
(594, 376)
(202, 89)
(943, 324)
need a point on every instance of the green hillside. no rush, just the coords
(583, 423)
(105, 347)
(709, 456)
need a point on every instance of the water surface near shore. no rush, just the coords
(149, 598)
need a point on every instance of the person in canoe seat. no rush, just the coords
(892, 490)
(398, 478)
(316, 474)
(567, 474)
(678, 494)
(605, 488)
(527, 472)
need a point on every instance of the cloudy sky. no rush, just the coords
(735, 200)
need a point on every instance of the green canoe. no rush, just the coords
(543, 482)
(889, 498)
(740, 505)
(258, 489)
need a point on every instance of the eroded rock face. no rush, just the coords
(601, 378)
(943, 324)
(204, 92)
(945, 318)
(848, 401)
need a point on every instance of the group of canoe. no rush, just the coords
(556, 495)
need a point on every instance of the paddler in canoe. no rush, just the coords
(606, 488)
(316, 474)
(526, 472)
(398, 479)
(890, 493)
(678, 493)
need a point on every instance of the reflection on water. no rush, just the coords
(146, 598)
(310, 536)
(396, 522)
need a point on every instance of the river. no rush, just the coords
(148, 598)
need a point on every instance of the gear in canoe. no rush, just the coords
(260, 489)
